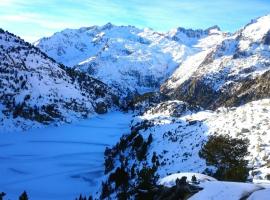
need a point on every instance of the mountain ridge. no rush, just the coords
(35, 90)
(118, 55)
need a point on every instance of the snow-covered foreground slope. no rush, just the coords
(169, 181)
(260, 195)
(58, 163)
(35, 90)
(169, 136)
(220, 190)
(128, 58)
(177, 138)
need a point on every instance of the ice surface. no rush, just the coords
(58, 163)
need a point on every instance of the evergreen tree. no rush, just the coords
(147, 179)
(23, 196)
(90, 198)
(194, 179)
(2, 194)
(227, 154)
(106, 190)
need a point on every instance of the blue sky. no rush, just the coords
(32, 19)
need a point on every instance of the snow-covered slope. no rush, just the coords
(170, 180)
(235, 71)
(219, 190)
(182, 136)
(35, 90)
(169, 136)
(128, 58)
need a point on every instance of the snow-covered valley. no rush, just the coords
(59, 163)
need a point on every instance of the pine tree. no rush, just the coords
(147, 177)
(193, 179)
(2, 194)
(227, 154)
(90, 198)
(23, 196)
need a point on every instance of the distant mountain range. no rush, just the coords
(129, 59)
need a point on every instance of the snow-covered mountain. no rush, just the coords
(230, 76)
(35, 90)
(202, 83)
(236, 71)
(125, 57)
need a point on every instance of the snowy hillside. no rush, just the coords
(35, 90)
(169, 136)
(237, 70)
(183, 136)
(128, 58)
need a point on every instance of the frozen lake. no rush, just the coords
(58, 163)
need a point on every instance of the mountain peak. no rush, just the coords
(257, 28)
(215, 27)
(109, 25)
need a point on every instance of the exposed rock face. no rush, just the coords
(197, 92)
(266, 38)
(172, 108)
(101, 108)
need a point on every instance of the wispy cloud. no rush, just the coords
(6, 2)
(37, 20)
(33, 18)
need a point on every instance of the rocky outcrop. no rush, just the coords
(197, 92)
(181, 191)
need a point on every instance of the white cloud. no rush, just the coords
(5, 2)
(15, 2)
(37, 20)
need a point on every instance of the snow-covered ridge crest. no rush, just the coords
(257, 28)
(125, 57)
